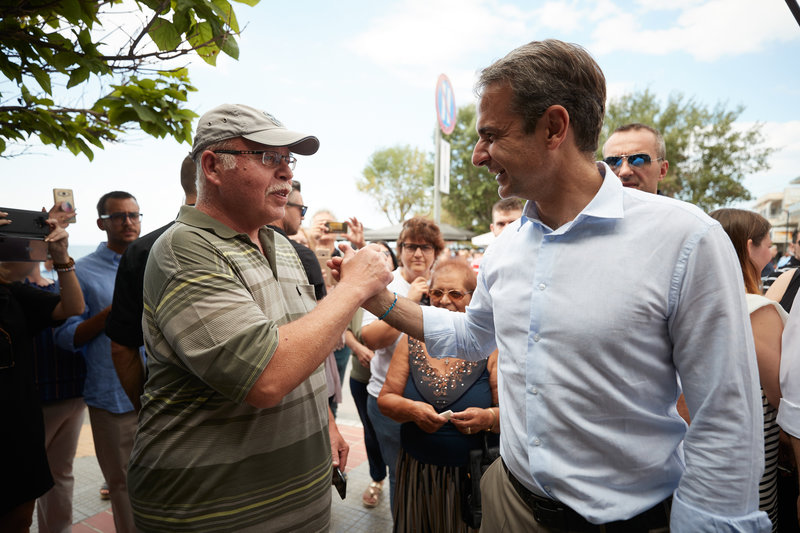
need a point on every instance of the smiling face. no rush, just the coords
(450, 282)
(505, 149)
(637, 141)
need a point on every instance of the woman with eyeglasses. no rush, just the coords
(359, 379)
(749, 233)
(418, 245)
(432, 466)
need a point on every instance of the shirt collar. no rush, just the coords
(607, 203)
(107, 253)
(196, 218)
(192, 216)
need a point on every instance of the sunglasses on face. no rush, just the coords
(303, 208)
(453, 294)
(634, 160)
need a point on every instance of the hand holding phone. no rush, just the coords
(339, 481)
(66, 197)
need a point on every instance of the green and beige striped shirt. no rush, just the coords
(203, 459)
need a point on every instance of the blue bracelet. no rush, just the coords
(390, 308)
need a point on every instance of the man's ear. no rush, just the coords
(100, 224)
(556, 122)
(212, 166)
(664, 168)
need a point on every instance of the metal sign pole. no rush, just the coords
(437, 177)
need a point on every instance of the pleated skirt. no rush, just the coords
(428, 497)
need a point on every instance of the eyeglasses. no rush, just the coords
(269, 158)
(303, 208)
(634, 160)
(119, 218)
(411, 247)
(453, 294)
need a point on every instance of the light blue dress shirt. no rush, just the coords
(592, 321)
(96, 273)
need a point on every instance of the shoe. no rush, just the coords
(105, 493)
(372, 496)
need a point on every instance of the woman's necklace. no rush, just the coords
(440, 382)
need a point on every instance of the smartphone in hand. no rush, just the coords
(65, 196)
(339, 481)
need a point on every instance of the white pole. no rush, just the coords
(437, 196)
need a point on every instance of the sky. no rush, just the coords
(361, 76)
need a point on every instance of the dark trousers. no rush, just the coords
(377, 468)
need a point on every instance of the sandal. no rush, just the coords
(105, 493)
(372, 496)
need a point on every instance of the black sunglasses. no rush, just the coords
(634, 160)
(303, 208)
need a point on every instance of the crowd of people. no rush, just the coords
(612, 362)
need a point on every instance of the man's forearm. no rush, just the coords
(406, 315)
(91, 328)
(130, 372)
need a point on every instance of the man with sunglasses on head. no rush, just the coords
(111, 413)
(637, 154)
(234, 432)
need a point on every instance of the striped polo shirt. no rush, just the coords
(203, 459)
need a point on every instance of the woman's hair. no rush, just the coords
(420, 229)
(385, 244)
(741, 226)
(456, 264)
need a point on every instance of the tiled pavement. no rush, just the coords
(93, 515)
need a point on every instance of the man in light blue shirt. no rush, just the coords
(110, 411)
(596, 298)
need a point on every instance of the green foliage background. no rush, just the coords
(50, 48)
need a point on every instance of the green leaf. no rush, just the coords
(62, 60)
(71, 10)
(199, 35)
(78, 76)
(144, 113)
(42, 78)
(230, 46)
(225, 11)
(164, 34)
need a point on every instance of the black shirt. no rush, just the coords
(310, 263)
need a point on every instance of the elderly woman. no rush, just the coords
(432, 464)
(419, 243)
(749, 233)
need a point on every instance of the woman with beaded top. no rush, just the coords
(432, 465)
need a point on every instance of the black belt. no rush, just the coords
(554, 514)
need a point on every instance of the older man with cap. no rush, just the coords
(234, 427)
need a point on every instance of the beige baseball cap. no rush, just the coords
(235, 120)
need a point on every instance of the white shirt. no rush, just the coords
(379, 365)
(592, 321)
(789, 408)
